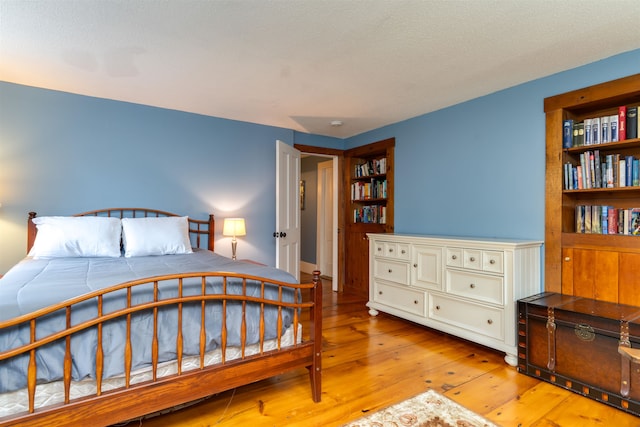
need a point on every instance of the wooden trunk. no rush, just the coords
(583, 345)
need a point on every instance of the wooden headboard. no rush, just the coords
(202, 231)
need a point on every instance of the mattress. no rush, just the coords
(36, 283)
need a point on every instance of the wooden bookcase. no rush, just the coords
(377, 204)
(604, 267)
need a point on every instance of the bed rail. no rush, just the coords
(201, 231)
(105, 407)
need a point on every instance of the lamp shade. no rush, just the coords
(234, 227)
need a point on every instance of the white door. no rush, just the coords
(324, 220)
(287, 234)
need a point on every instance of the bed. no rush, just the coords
(97, 333)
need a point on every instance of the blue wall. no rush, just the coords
(62, 154)
(476, 168)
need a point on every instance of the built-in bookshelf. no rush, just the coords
(368, 204)
(593, 192)
(369, 191)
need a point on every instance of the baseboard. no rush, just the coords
(307, 267)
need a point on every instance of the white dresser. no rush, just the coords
(466, 287)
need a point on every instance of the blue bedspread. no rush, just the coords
(34, 284)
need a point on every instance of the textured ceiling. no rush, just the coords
(301, 64)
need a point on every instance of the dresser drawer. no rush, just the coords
(392, 250)
(476, 259)
(472, 258)
(393, 271)
(454, 257)
(481, 287)
(493, 261)
(467, 315)
(401, 298)
(397, 250)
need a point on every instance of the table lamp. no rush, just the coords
(234, 227)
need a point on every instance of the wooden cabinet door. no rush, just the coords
(357, 263)
(592, 273)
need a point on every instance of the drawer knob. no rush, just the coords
(379, 292)
(437, 307)
(390, 271)
(415, 265)
(567, 259)
(490, 322)
(390, 250)
(454, 257)
(415, 301)
(472, 259)
(403, 251)
(472, 286)
(493, 261)
(379, 249)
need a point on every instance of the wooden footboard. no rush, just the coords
(131, 400)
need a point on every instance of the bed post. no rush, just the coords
(31, 231)
(315, 370)
(212, 233)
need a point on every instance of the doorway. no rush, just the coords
(319, 215)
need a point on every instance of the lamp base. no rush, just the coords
(234, 245)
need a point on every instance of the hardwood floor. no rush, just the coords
(370, 363)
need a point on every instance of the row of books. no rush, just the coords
(597, 219)
(373, 214)
(600, 130)
(372, 167)
(375, 189)
(595, 171)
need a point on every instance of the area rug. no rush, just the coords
(429, 409)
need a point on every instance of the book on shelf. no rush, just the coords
(604, 219)
(587, 132)
(567, 134)
(604, 129)
(612, 220)
(374, 189)
(596, 226)
(578, 179)
(371, 167)
(598, 168)
(634, 222)
(613, 127)
(594, 171)
(580, 218)
(632, 122)
(587, 219)
(605, 133)
(595, 130)
(578, 134)
(374, 214)
(622, 173)
(622, 123)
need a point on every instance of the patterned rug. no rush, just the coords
(429, 409)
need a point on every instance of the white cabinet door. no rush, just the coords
(426, 267)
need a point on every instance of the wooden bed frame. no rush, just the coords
(135, 400)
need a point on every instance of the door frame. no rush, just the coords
(338, 165)
(322, 230)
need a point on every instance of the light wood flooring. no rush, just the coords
(370, 363)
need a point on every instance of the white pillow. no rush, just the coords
(84, 236)
(156, 236)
